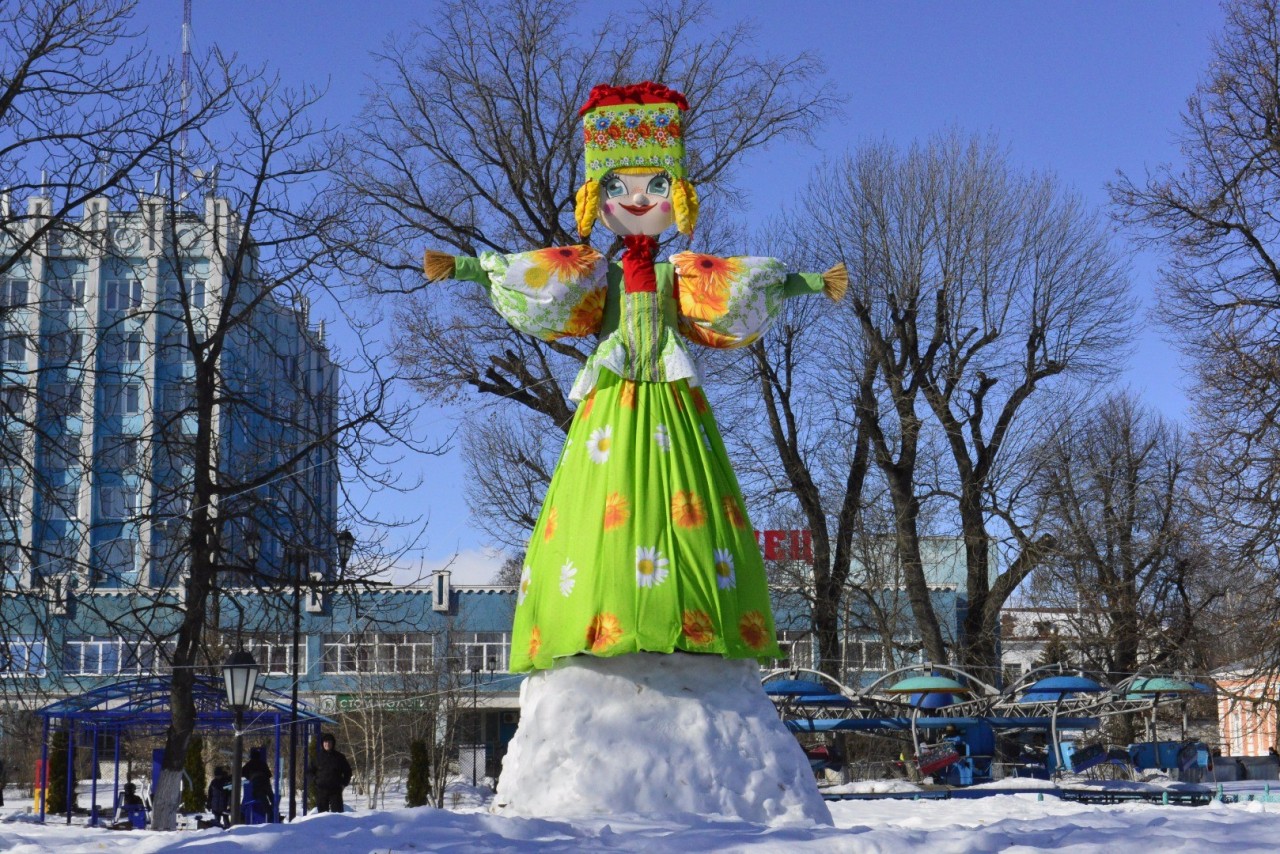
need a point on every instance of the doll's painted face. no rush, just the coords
(636, 204)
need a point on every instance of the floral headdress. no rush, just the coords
(634, 128)
(637, 125)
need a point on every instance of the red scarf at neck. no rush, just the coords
(637, 264)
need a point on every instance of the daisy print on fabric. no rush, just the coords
(725, 578)
(599, 444)
(567, 573)
(524, 585)
(651, 567)
(662, 437)
(535, 642)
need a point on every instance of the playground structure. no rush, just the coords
(954, 720)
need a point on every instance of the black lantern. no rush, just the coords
(346, 542)
(252, 547)
(240, 674)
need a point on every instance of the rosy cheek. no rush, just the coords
(665, 207)
(608, 208)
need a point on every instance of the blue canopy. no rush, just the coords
(140, 707)
(795, 688)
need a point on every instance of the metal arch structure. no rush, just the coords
(810, 701)
(140, 707)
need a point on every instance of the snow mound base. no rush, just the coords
(660, 736)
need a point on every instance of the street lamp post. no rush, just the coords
(475, 714)
(293, 560)
(240, 674)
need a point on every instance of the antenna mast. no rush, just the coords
(186, 94)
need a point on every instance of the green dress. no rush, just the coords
(643, 542)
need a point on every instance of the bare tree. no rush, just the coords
(85, 114)
(1215, 214)
(974, 287)
(1116, 485)
(246, 442)
(472, 141)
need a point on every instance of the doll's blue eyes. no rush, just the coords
(659, 185)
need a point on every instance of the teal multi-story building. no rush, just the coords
(101, 327)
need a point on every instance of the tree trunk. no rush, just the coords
(906, 512)
(978, 646)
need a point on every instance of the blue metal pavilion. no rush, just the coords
(140, 707)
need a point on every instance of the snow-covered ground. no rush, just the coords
(1005, 823)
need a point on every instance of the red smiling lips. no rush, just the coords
(636, 210)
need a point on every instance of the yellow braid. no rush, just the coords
(586, 207)
(685, 200)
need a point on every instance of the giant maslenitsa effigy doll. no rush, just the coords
(643, 545)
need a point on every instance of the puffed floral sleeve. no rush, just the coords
(730, 302)
(547, 293)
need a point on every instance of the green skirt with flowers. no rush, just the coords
(643, 544)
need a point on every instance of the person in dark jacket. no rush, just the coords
(219, 799)
(257, 764)
(258, 773)
(332, 774)
(131, 798)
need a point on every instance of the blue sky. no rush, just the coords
(1081, 89)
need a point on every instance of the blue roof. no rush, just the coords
(145, 700)
(796, 688)
(1063, 685)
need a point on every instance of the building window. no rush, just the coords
(195, 291)
(63, 399)
(474, 649)
(14, 400)
(13, 347)
(797, 649)
(175, 346)
(66, 345)
(11, 489)
(864, 655)
(118, 501)
(121, 399)
(93, 656)
(13, 293)
(379, 653)
(177, 397)
(22, 657)
(123, 294)
(67, 293)
(117, 559)
(119, 453)
(64, 500)
(123, 348)
(274, 652)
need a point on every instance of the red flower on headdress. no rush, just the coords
(647, 92)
